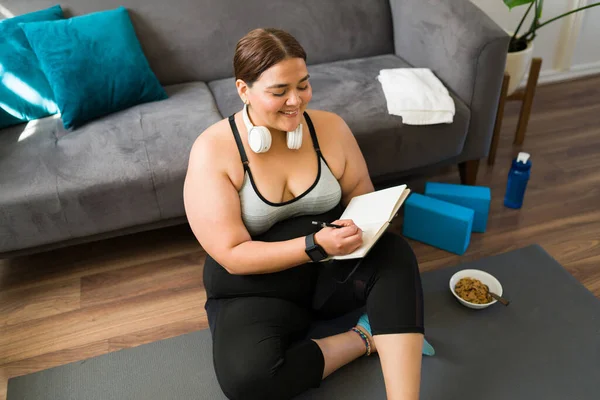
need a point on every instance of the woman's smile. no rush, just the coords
(289, 114)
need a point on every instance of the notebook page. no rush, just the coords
(374, 207)
(400, 202)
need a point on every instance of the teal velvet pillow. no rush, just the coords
(94, 64)
(25, 94)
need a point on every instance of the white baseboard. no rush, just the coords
(576, 71)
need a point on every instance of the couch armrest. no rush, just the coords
(464, 48)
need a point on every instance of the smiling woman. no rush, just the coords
(251, 208)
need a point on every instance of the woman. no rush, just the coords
(250, 196)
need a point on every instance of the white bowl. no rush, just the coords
(492, 283)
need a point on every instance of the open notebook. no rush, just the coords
(373, 213)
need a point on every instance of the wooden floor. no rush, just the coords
(88, 300)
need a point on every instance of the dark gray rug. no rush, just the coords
(544, 345)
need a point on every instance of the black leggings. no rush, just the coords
(259, 323)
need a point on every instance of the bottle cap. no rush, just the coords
(523, 157)
(522, 162)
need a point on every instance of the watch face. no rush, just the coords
(314, 251)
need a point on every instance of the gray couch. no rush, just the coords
(124, 173)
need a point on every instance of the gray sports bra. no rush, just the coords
(259, 214)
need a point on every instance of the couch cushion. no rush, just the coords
(94, 64)
(351, 90)
(24, 91)
(194, 40)
(122, 170)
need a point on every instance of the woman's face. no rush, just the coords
(280, 95)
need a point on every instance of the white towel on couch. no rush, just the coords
(416, 95)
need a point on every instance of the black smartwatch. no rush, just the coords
(314, 251)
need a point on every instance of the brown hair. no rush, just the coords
(262, 48)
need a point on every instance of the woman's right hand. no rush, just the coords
(340, 241)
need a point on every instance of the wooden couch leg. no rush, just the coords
(468, 172)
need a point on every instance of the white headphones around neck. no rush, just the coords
(259, 137)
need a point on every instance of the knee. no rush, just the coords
(400, 257)
(244, 378)
(395, 295)
(396, 270)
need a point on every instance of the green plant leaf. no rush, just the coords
(515, 3)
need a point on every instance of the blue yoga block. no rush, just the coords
(438, 223)
(476, 198)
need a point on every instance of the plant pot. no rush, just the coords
(517, 65)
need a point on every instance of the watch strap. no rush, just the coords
(310, 241)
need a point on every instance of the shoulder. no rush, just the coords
(327, 118)
(332, 130)
(335, 139)
(213, 145)
(329, 126)
(214, 152)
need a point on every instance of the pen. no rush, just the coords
(326, 224)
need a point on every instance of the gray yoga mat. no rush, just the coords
(544, 345)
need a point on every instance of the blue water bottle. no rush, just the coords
(518, 176)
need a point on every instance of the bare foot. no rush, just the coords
(373, 347)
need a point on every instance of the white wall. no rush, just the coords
(568, 47)
(588, 46)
